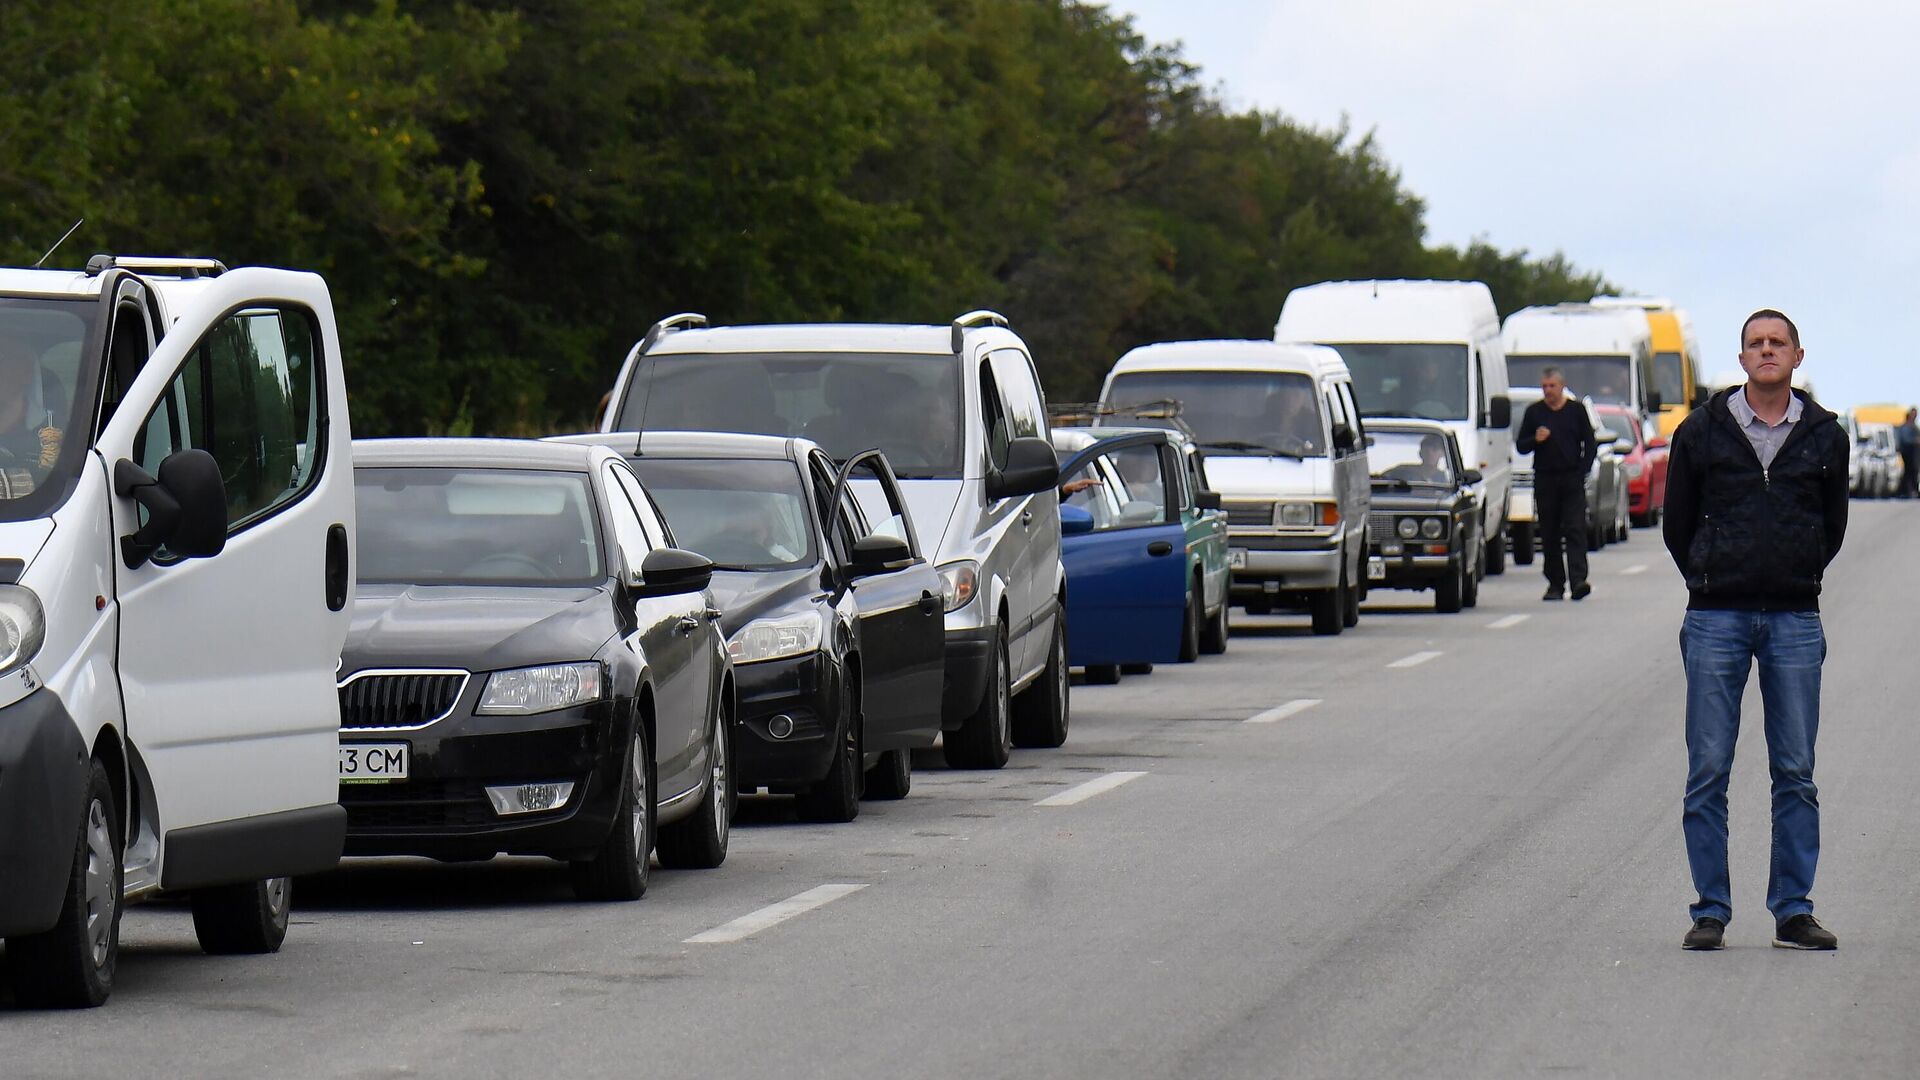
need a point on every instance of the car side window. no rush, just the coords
(248, 394)
(1020, 392)
(628, 534)
(651, 521)
(993, 414)
(1353, 414)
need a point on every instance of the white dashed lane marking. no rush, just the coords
(1415, 660)
(772, 915)
(1080, 793)
(1507, 622)
(1281, 712)
(1636, 568)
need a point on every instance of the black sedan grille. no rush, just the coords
(1380, 528)
(427, 805)
(399, 699)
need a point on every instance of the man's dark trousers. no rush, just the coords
(1561, 501)
(1910, 460)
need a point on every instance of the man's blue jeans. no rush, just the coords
(1719, 648)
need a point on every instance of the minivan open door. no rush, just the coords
(1127, 581)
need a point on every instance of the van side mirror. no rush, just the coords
(1500, 412)
(1658, 442)
(1344, 438)
(186, 507)
(1701, 394)
(879, 553)
(1032, 467)
(1206, 500)
(1653, 401)
(1075, 520)
(1471, 476)
(672, 572)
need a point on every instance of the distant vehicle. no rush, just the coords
(1286, 450)
(1890, 415)
(960, 414)
(534, 667)
(1424, 529)
(1427, 349)
(1676, 358)
(1605, 353)
(1141, 547)
(173, 589)
(1645, 461)
(834, 624)
(1886, 469)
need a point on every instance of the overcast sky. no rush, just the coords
(1731, 155)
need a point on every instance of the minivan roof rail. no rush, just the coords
(151, 264)
(972, 319)
(686, 320)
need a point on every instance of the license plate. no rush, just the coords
(374, 763)
(1376, 569)
(1237, 558)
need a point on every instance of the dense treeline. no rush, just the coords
(504, 195)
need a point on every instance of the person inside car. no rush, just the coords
(1433, 461)
(29, 441)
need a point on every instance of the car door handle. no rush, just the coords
(714, 614)
(687, 624)
(930, 603)
(1159, 548)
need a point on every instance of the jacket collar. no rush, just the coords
(1812, 413)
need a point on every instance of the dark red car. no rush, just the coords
(1646, 463)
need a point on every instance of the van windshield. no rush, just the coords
(1605, 379)
(444, 526)
(1421, 379)
(1669, 379)
(907, 405)
(1232, 412)
(46, 401)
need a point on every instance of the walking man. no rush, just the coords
(1756, 509)
(1907, 436)
(1559, 434)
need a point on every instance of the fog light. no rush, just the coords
(1389, 549)
(509, 799)
(780, 726)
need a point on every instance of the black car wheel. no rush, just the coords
(1523, 544)
(985, 739)
(700, 841)
(1214, 641)
(836, 797)
(1447, 591)
(250, 917)
(1103, 674)
(1040, 713)
(1350, 606)
(1470, 588)
(1190, 625)
(1327, 607)
(891, 777)
(620, 869)
(71, 966)
(1497, 553)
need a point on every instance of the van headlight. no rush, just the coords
(524, 691)
(776, 638)
(959, 581)
(23, 626)
(1296, 515)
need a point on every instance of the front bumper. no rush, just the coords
(442, 810)
(1406, 571)
(969, 663)
(43, 780)
(802, 688)
(1520, 505)
(1289, 563)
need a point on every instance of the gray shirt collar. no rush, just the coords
(1743, 412)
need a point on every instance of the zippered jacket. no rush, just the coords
(1752, 538)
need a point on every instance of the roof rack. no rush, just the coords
(686, 320)
(973, 319)
(1074, 413)
(150, 264)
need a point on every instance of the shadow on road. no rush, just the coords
(415, 884)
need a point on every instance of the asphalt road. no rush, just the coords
(1463, 858)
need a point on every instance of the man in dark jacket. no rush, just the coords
(1907, 437)
(1557, 431)
(1756, 509)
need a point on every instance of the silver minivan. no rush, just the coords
(959, 411)
(1287, 452)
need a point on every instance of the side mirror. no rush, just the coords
(1075, 520)
(1653, 401)
(1500, 412)
(879, 553)
(672, 572)
(1623, 445)
(1701, 394)
(1207, 500)
(1344, 438)
(1471, 476)
(1032, 467)
(1658, 442)
(186, 507)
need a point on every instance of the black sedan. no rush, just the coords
(1424, 529)
(836, 627)
(533, 666)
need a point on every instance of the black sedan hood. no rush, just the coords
(746, 595)
(475, 628)
(1417, 497)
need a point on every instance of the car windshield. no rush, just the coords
(458, 526)
(1418, 457)
(1605, 379)
(1669, 379)
(907, 405)
(1408, 379)
(1619, 426)
(46, 401)
(742, 514)
(1232, 412)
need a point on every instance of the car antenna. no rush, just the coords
(56, 244)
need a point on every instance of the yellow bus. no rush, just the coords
(1676, 357)
(1880, 414)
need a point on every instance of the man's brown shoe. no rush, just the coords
(1708, 933)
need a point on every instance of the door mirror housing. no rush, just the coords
(1658, 442)
(1500, 412)
(1032, 467)
(1207, 500)
(186, 507)
(1623, 445)
(1075, 520)
(1653, 401)
(1344, 438)
(1471, 476)
(672, 572)
(879, 553)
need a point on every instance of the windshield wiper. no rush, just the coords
(1252, 447)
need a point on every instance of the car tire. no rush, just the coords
(699, 842)
(1042, 711)
(1497, 553)
(1328, 608)
(1259, 606)
(1103, 674)
(622, 866)
(1350, 606)
(1470, 588)
(1523, 544)
(891, 777)
(985, 739)
(1190, 625)
(247, 918)
(1447, 592)
(72, 964)
(1213, 641)
(835, 798)
(1136, 669)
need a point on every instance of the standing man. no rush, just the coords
(1559, 434)
(1756, 509)
(1907, 435)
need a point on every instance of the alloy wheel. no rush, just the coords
(101, 898)
(637, 765)
(722, 817)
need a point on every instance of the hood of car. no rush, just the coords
(1239, 477)
(475, 628)
(746, 595)
(22, 540)
(1420, 498)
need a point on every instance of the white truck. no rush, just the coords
(176, 536)
(1605, 353)
(1427, 350)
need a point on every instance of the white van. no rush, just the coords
(1286, 451)
(1428, 350)
(1606, 353)
(176, 536)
